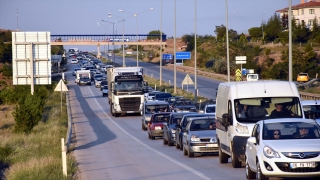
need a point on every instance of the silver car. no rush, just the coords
(200, 137)
(311, 109)
(287, 147)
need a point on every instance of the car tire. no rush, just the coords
(223, 157)
(259, 174)
(235, 161)
(190, 154)
(164, 141)
(184, 151)
(177, 145)
(152, 137)
(249, 173)
(142, 127)
(170, 143)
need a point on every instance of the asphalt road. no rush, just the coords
(116, 148)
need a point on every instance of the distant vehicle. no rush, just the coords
(162, 96)
(109, 54)
(104, 90)
(303, 77)
(155, 125)
(285, 148)
(75, 71)
(311, 109)
(252, 77)
(151, 95)
(183, 105)
(210, 109)
(85, 81)
(173, 99)
(151, 107)
(74, 61)
(103, 83)
(200, 137)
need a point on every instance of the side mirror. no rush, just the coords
(252, 140)
(225, 119)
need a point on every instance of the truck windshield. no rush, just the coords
(255, 109)
(129, 85)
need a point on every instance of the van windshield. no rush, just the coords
(255, 109)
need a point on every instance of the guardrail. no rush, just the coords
(309, 96)
(69, 132)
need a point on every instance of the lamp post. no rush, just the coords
(174, 50)
(160, 42)
(262, 27)
(114, 57)
(123, 55)
(106, 32)
(227, 39)
(136, 15)
(195, 53)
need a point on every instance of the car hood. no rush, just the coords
(204, 133)
(294, 145)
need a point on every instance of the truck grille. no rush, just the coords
(130, 104)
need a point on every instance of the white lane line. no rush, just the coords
(152, 149)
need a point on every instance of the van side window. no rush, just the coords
(230, 111)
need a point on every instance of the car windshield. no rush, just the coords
(151, 109)
(161, 118)
(182, 102)
(163, 95)
(255, 109)
(291, 130)
(311, 111)
(211, 109)
(186, 119)
(203, 124)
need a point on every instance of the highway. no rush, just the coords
(116, 148)
(206, 86)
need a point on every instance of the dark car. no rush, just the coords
(162, 96)
(105, 90)
(85, 81)
(180, 128)
(183, 105)
(169, 130)
(103, 82)
(151, 107)
(173, 99)
(156, 123)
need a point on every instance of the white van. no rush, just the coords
(256, 100)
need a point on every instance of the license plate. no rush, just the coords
(157, 128)
(212, 145)
(130, 111)
(303, 165)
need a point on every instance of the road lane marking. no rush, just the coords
(201, 175)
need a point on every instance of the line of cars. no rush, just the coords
(178, 123)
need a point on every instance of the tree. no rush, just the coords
(273, 28)
(154, 32)
(255, 32)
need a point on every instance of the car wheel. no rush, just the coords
(181, 146)
(259, 174)
(142, 127)
(116, 114)
(164, 141)
(223, 157)
(184, 151)
(190, 154)
(152, 137)
(249, 173)
(169, 142)
(235, 161)
(177, 145)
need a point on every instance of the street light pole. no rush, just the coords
(136, 15)
(174, 50)
(160, 42)
(227, 39)
(195, 53)
(123, 55)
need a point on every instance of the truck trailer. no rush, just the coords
(126, 90)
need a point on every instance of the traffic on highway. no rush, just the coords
(147, 144)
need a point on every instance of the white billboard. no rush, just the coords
(31, 58)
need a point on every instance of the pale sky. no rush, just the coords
(81, 16)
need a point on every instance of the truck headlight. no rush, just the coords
(242, 129)
(194, 138)
(270, 153)
(173, 131)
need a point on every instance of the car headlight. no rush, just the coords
(173, 131)
(242, 129)
(194, 138)
(147, 118)
(270, 153)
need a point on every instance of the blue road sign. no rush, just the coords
(167, 56)
(183, 55)
(244, 71)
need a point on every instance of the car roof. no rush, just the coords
(288, 120)
(310, 102)
(211, 105)
(197, 115)
(155, 102)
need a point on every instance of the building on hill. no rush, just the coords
(305, 12)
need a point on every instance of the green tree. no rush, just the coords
(273, 28)
(154, 32)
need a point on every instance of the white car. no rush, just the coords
(74, 61)
(210, 109)
(287, 147)
(311, 109)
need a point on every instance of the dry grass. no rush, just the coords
(6, 119)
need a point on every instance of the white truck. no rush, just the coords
(126, 90)
(239, 105)
(82, 73)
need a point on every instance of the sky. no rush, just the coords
(81, 16)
